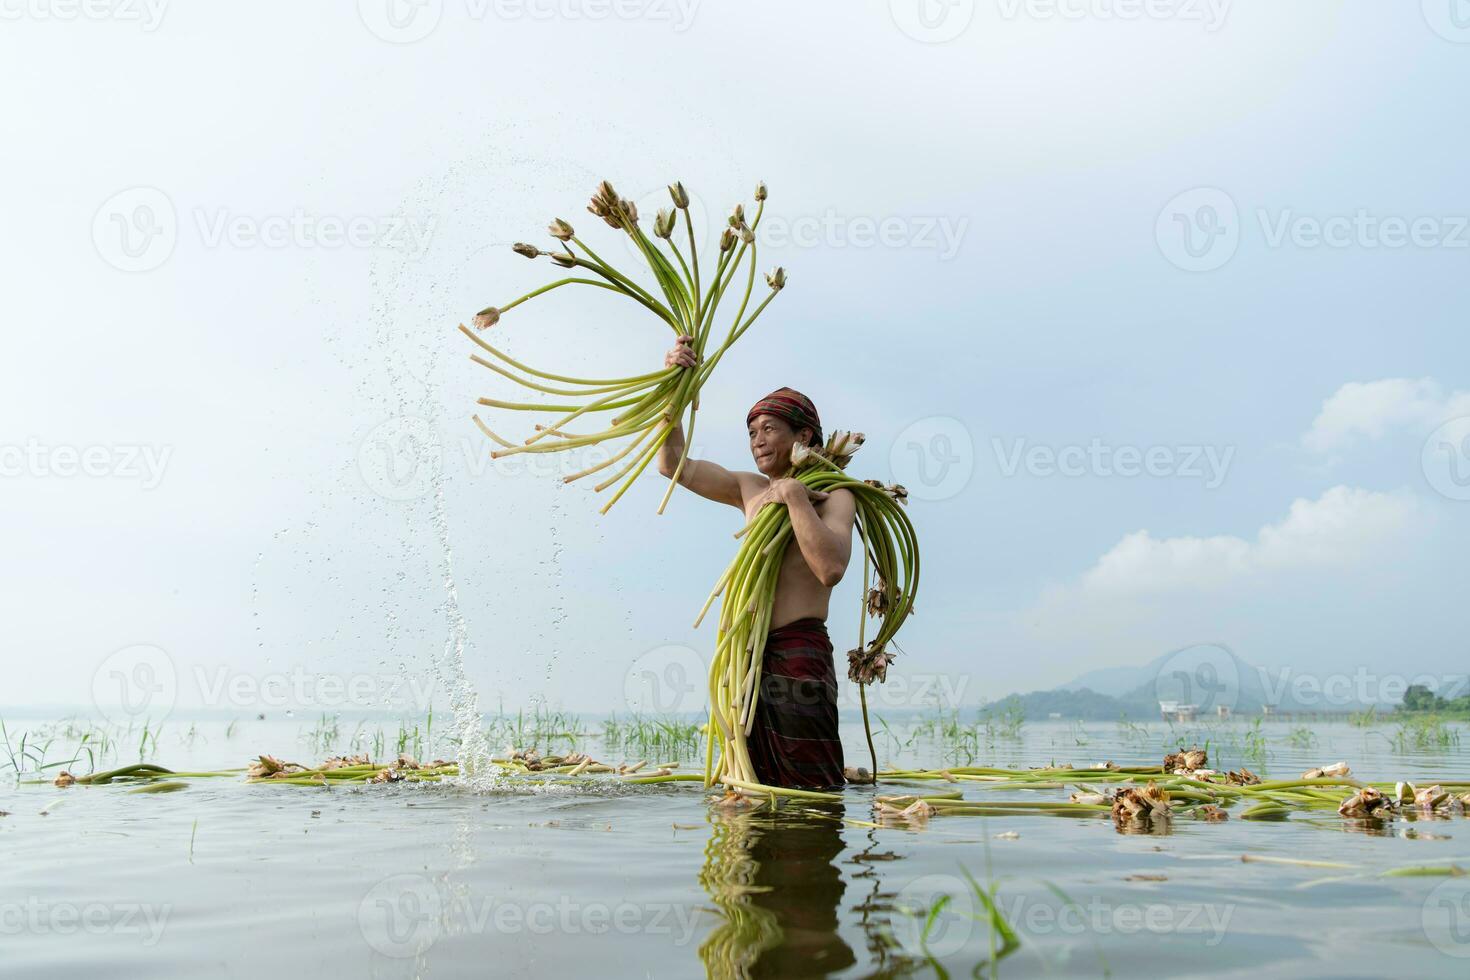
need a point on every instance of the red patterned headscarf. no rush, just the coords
(794, 407)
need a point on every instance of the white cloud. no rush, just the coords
(1344, 526)
(1371, 409)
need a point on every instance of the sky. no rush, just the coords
(1157, 309)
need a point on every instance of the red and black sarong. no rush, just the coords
(794, 742)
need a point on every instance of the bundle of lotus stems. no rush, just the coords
(748, 585)
(648, 405)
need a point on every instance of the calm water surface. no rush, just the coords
(225, 879)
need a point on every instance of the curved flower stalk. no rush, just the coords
(647, 405)
(748, 585)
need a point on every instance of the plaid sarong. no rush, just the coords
(794, 742)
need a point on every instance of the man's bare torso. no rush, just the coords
(799, 594)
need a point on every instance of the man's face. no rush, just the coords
(771, 439)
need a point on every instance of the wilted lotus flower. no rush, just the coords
(1334, 770)
(406, 761)
(1185, 761)
(776, 278)
(663, 223)
(529, 251)
(488, 317)
(867, 664)
(1131, 803)
(1095, 799)
(564, 259)
(1430, 797)
(737, 216)
(1366, 802)
(899, 493)
(857, 774)
(560, 229)
(269, 765)
(630, 210)
(878, 604)
(727, 239)
(1242, 777)
(760, 191)
(65, 779)
(746, 235)
(679, 194)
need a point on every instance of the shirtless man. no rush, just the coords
(794, 740)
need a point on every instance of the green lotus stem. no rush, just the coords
(796, 794)
(102, 778)
(652, 375)
(548, 288)
(1426, 871)
(694, 261)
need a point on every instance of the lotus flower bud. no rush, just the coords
(746, 235)
(1431, 796)
(776, 278)
(737, 217)
(679, 194)
(563, 259)
(1404, 792)
(801, 454)
(606, 204)
(663, 223)
(760, 191)
(488, 317)
(727, 240)
(560, 229)
(529, 251)
(630, 210)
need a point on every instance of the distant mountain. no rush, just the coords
(1207, 676)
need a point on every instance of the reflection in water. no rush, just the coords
(775, 880)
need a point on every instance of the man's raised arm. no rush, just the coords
(709, 480)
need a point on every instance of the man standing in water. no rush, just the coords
(794, 741)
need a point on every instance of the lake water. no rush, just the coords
(229, 879)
